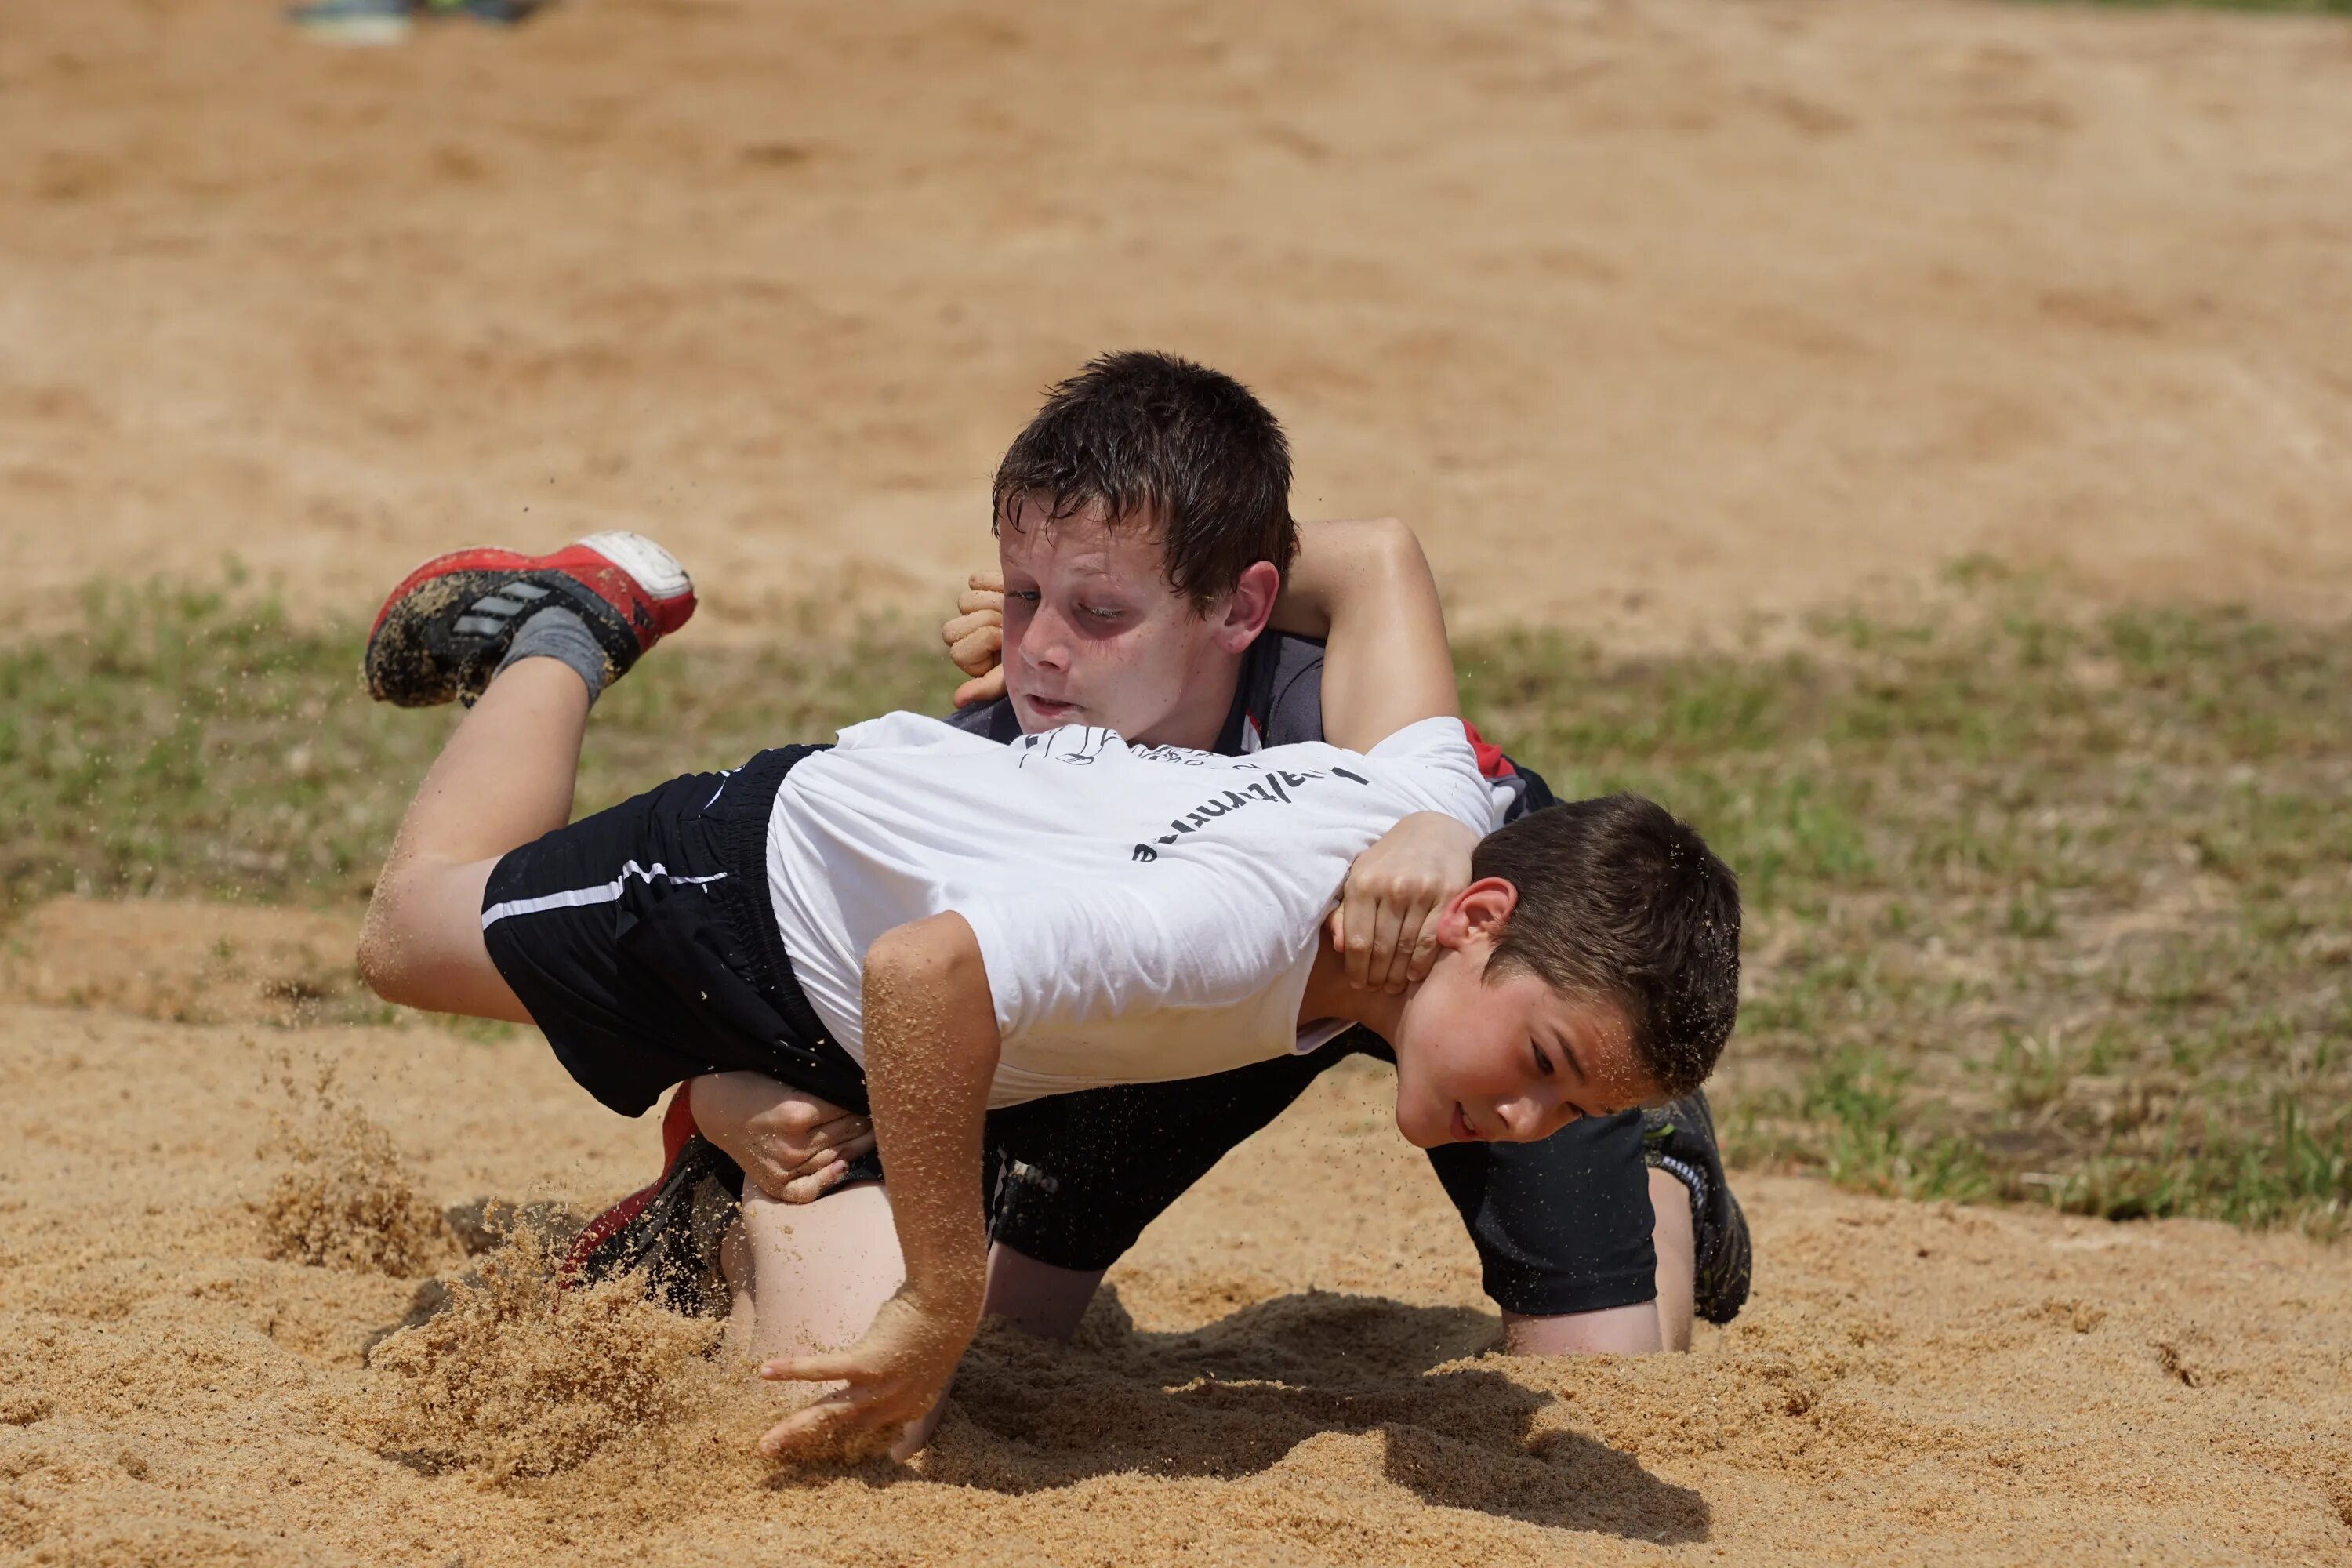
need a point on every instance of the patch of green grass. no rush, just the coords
(2296, 1168)
(1870, 1139)
(2043, 906)
(192, 742)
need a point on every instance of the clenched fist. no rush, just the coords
(1386, 924)
(792, 1146)
(975, 639)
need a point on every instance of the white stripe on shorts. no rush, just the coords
(603, 893)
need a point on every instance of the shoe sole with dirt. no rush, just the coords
(442, 633)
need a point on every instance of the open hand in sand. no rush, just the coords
(891, 1382)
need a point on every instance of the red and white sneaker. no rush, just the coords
(441, 634)
(669, 1231)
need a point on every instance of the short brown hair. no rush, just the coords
(1149, 435)
(1620, 899)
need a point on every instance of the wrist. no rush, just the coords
(713, 1116)
(956, 1300)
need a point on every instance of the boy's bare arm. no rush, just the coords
(1367, 590)
(932, 1049)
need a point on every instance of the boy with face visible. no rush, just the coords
(1608, 1237)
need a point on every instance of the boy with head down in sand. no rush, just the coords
(940, 925)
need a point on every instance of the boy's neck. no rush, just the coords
(1329, 995)
(1198, 720)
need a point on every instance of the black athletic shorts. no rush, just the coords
(642, 943)
(1561, 1226)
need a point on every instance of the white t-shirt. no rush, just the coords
(1144, 913)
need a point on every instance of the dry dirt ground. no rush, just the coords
(1652, 315)
(1655, 316)
(1293, 1369)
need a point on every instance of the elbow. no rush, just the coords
(388, 956)
(926, 992)
(1392, 541)
(379, 960)
(899, 953)
(932, 950)
(1389, 552)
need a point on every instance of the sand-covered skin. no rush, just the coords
(1650, 314)
(1295, 1366)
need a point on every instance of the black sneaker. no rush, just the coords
(441, 634)
(1679, 1138)
(671, 1230)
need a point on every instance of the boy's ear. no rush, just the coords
(1246, 609)
(1477, 916)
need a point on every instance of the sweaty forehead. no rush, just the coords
(1082, 544)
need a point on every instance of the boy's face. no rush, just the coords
(1501, 1056)
(1094, 635)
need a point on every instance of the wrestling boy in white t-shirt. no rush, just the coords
(935, 924)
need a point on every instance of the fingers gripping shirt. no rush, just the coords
(1143, 913)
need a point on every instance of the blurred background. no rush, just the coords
(1651, 316)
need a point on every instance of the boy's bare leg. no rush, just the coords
(809, 1278)
(1677, 1248)
(505, 778)
(1050, 1302)
(561, 626)
(1645, 1327)
(1041, 1299)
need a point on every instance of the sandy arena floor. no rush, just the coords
(1654, 316)
(1294, 1370)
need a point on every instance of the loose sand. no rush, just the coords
(1294, 1367)
(1652, 316)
